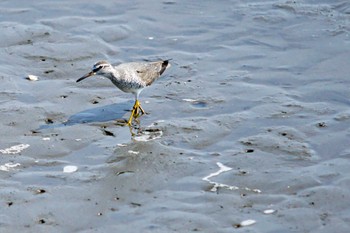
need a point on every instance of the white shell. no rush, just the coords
(70, 169)
(248, 222)
(269, 211)
(32, 77)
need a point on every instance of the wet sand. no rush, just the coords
(247, 132)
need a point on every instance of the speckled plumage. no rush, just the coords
(130, 77)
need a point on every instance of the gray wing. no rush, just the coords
(149, 72)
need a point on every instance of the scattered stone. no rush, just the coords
(122, 172)
(48, 71)
(107, 132)
(322, 124)
(42, 221)
(49, 121)
(135, 204)
(94, 101)
(242, 173)
(40, 191)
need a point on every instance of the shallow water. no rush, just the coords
(252, 116)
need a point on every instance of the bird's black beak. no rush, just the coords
(86, 76)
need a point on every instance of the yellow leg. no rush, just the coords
(137, 107)
(142, 111)
(135, 112)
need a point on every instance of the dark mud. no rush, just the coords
(248, 131)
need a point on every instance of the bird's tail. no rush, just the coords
(165, 65)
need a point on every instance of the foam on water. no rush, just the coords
(9, 166)
(14, 149)
(216, 185)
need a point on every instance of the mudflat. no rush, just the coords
(248, 131)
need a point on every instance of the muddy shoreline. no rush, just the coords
(248, 131)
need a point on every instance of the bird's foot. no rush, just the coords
(142, 111)
(136, 112)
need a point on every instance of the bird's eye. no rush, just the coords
(97, 69)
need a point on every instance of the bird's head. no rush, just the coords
(100, 68)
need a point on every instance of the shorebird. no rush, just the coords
(130, 77)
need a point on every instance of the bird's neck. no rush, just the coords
(113, 76)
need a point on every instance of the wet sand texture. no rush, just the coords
(248, 130)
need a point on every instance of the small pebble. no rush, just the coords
(48, 71)
(40, 191)
(322, 124)
(48, 121)
(107, 132)
(42, 221)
